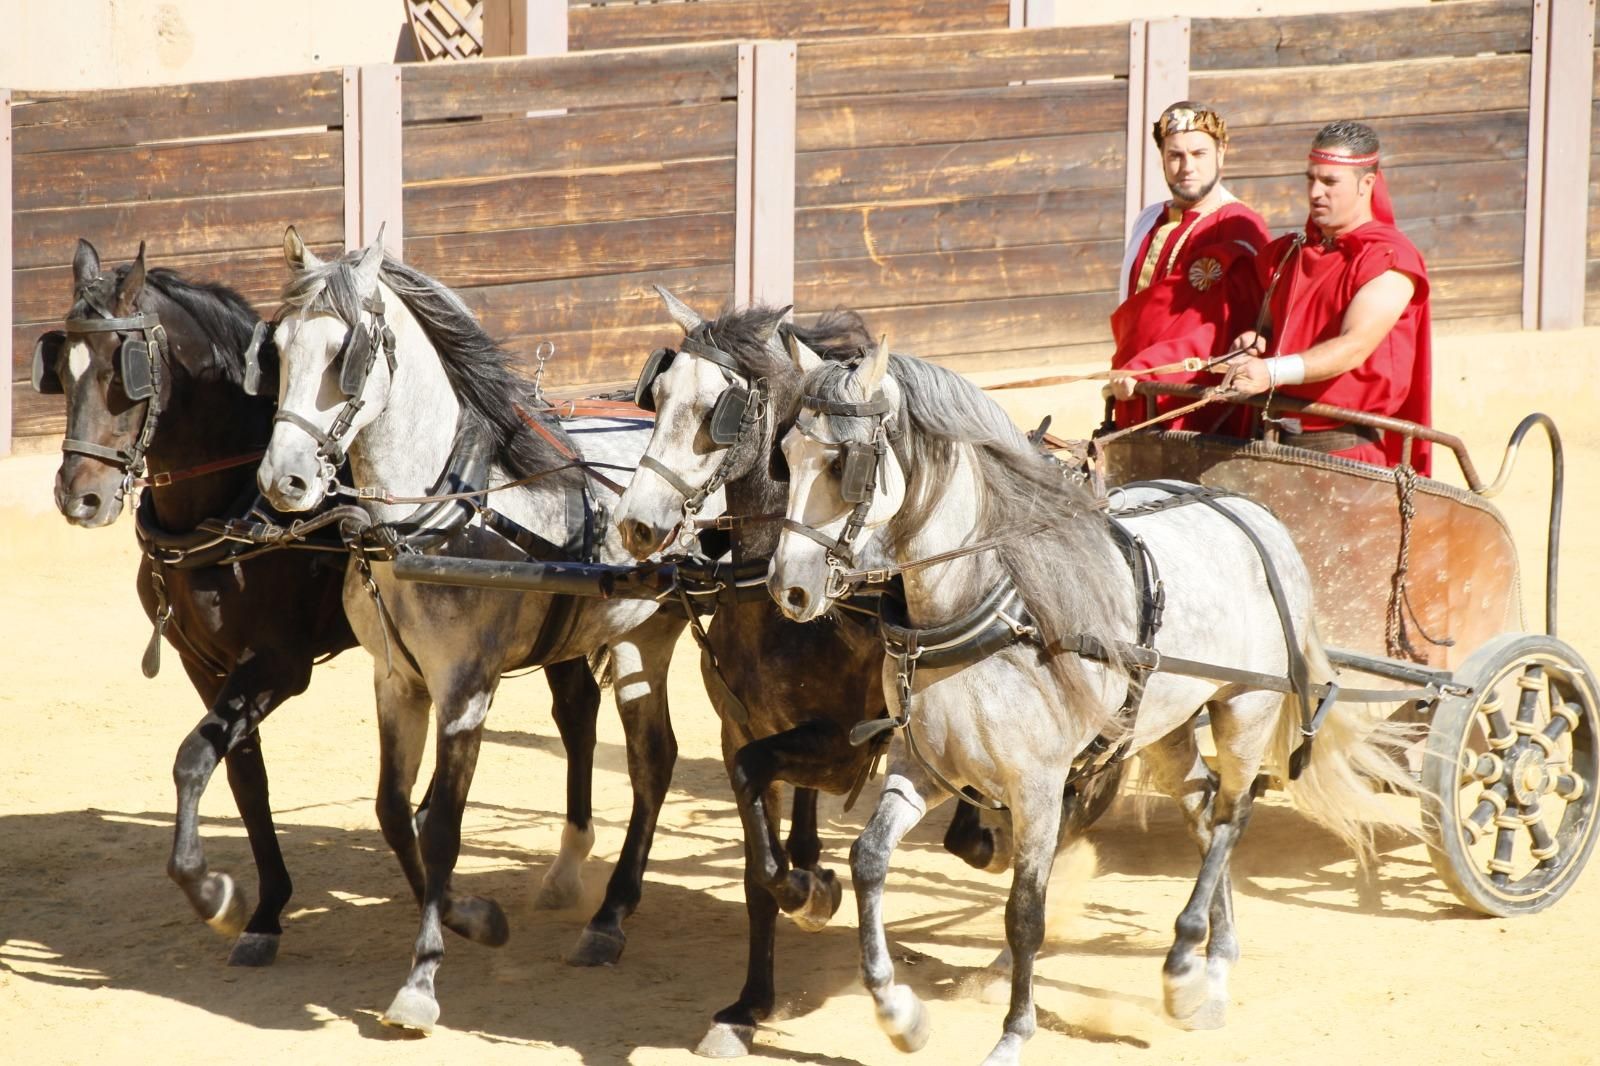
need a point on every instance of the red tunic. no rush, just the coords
(1309, 305)
(1199, 298)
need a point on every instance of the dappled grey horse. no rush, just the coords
(904, 466)
(383, 364)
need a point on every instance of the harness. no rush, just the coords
(858, 479)
(138, 362)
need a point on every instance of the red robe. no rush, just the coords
(1197, 301)
(1309, 305)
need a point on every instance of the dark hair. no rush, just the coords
(1357, 138)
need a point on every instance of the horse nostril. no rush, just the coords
(90, 502)
(796, 597)
(292, 485)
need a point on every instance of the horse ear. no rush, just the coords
(771, 331)
(85, 263)
(805, 360)
(876, 365)
(371, 263)
(296, 254)
(132, 284)
(681, 313)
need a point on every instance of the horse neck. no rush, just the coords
(407, 446)
(204, 418)
(940, 592)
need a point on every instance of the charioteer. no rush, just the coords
(1187, 282)
(1345, 311)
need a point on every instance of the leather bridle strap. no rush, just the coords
(661, 470)
(326, 440)
(161, 480)
(131, 462)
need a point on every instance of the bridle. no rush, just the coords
(138, 360)
(358, 354)
(740, 410)
(858, 481)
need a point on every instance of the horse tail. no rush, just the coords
(1354, 761)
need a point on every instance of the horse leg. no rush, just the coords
(575, 706)
(804, 845)
(1037, 828)
(640, 660)
(1196, 996)
(906, 798)
(457, 739)
(402, 734)
(980, 846)
(237, 704)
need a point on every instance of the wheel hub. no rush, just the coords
(1527, 776)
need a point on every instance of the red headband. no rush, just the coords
(1382, 206)
(1319, 156)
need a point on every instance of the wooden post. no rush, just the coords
(373, 178)
(1559, 101)
(763, 260)
(538, 27)
(1138, 131)
(1166, 81)
(6, 304)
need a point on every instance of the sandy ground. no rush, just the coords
(102, 961)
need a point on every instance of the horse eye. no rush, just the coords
(836, 467)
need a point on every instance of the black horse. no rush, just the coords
(153, 370)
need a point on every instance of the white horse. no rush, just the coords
(898, 461)
(383, 364)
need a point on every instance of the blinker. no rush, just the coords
(357, 361)
(252, 360)
(727, 417)
(654, 367)
(860, 472)
(138, 381)
(46, 350)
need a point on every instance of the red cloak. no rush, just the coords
(1201, 296)
(1308, 306)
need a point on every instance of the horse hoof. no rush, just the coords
(1184, 993)
(558, 892)
(726, 1041)
(231, 915)
(1212, 1014)
(1000, 859)
(479, 920)
(905, 1019)
(412, 1010)
(822, 902)
(597, 947)
(254, 949)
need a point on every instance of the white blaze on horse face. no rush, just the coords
(799, 562)
(77, 363)
(290, 475)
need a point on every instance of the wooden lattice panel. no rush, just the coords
(446, 29)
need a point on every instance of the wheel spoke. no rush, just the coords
(1545, 846)
(1499, 732)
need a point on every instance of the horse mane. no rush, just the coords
(225, 317)
(838, 334)
(481, 373)
(1061, 559)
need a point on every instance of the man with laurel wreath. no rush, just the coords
(1348, 319)
(1185, 280)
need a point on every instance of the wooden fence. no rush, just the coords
(969, 191)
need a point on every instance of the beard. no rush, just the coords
(1204, 189)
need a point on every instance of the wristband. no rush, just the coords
(1286, 370)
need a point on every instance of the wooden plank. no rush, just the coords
(594, 359)
(1455, 29)
(171, 172)
(949, 277)
(1033, 322)
(1004, 113)
(467, 259)
(610, 301)
(961, 61)
(695, 74)
(876, 230)
(567, 142)
(7, 253)
(984, 168)
(696, 188)
(1476, 291)
(34, 415)
(110, 118)
(630, 25)
(1406, 141)
(1414, 87)
(1418, 192)
(43, 294)
(1468, 240)
(179, 227)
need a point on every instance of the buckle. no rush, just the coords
(725, 522)
(161, 480)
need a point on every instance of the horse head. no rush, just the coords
(845, 478)
(335, 363)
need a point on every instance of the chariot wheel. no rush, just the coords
(1511, 771)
